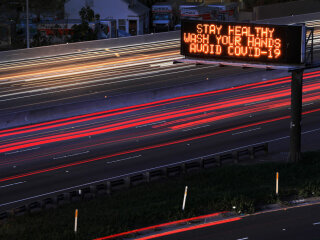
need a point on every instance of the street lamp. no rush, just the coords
(27, 9)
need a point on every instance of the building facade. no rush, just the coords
(130, 16)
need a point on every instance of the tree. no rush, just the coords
(86, 14)
(148, 3)
(36, 7)
(83, 32)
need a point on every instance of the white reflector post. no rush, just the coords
(277, 183)
(184, 198)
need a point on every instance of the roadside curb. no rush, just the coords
(290, 205)
(188, 224)
(175, 226)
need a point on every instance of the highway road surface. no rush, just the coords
(45, 159)
(300, 223)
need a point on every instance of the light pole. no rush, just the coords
(27, 8)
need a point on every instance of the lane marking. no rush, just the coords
(306, 104)
(150, 124)
(316, 223)
(243, 238)
(186, 130)
(247, 131)
(262, 101)
(71, 155)
(164, 64)
(123, 159)
(8, 185)
(23, 150)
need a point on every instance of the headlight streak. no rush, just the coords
(91, 54)
(85, 66)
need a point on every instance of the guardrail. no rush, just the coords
(121, 183)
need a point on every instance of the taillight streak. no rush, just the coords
(79, 147)
(255, 109)
(63, 122)
(134, 123)
(149, 147)
(219, 115)
(147, 120)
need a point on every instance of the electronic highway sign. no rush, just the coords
(243, 42)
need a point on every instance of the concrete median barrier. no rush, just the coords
(19, 211)
(174, 171)
(4, 216)
(75, 196)
(34, 207)
(101, 189)
(62, 199)
(74, 48)
(87, 193)
(48, 203)
(211, 161)
(137, 179)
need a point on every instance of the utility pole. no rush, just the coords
(296, 109)
(27, 9)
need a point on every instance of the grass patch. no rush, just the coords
(246, 187)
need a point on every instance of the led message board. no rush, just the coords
(230, 41)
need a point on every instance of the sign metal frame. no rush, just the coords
(288, 60)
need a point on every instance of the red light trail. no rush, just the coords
(155, 118)
(146, 148)
(82, 118)
(161, 225)
(163, 122)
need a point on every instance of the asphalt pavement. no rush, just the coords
(146, 146)
(300, 223)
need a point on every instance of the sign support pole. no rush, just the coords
(296, 108)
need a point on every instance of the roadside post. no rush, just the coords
(76, 221)
(277, 184)
(184, 198)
